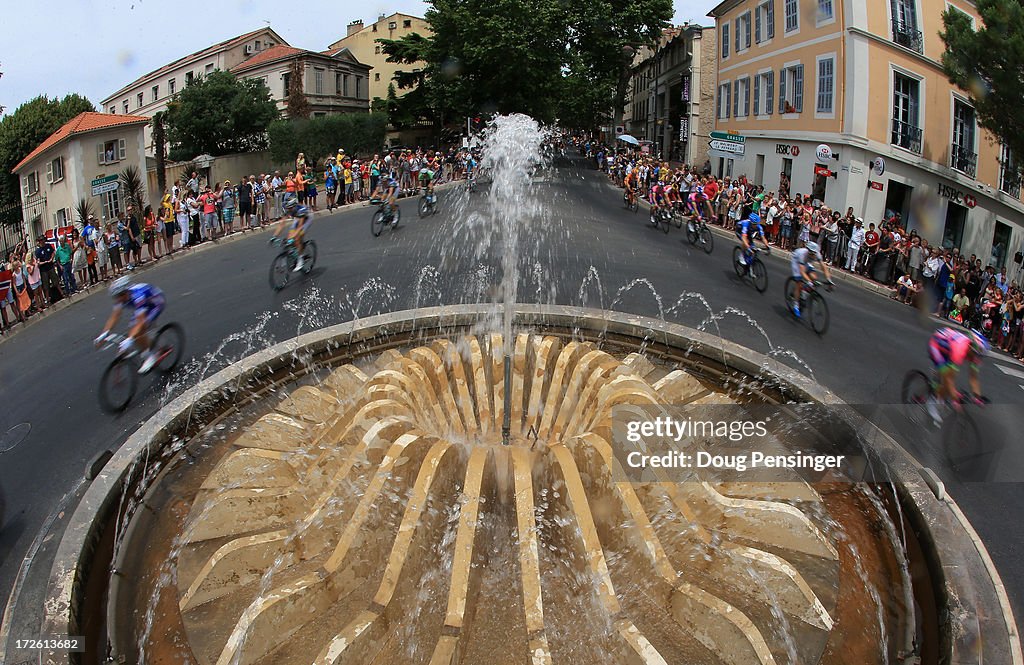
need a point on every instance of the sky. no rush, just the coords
(95, 47)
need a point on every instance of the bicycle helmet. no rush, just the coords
(291, 202)
(813, 248)
(754, 218)
(119, 286)
(979, 343)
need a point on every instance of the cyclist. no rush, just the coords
(300, 216)
(949, 348)
(694, 204)
(747, 231)
(427, 181)
(147, 302)
(630, 183)
(802, 267)
(657, 200)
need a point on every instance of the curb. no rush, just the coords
(966, 584)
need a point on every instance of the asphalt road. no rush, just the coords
(585, 249)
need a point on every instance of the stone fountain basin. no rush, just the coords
(956, 575)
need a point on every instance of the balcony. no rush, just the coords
(907, 36)
(963, 160)
(1009, 182)
(906, 136)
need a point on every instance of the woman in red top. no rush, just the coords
(149, 231)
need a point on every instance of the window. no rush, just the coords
(62, 217)
(392, 25)
(30, 184)
(286, 78)
(344, 85)
(725, 41)
(359, 86)
(904, 25)
(170, 87)
(155, 90)
(111, 204)
(209, 69)
(189, 77)
(964, 158)
(792, 15)
(791, 89)
(376, 77)
(375, 27)
(741, 97)
(124, 105)
(113, 110)
(764, 21)
(764, 93)
(906, 130)
(258, 45)
(825, 11)
(55, 171)
(743, 32)
(138, 100)
(110, 152)
(318, 81)
(1009, 180)
(407, 23)
(826, 79)
(724, 100)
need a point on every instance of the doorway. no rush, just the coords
(953, 231)
(897, 200)
(759, 170)
(820, 184)
(1000, 246)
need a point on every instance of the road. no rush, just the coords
(586, 249)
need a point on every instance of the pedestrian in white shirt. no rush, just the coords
(856, 240)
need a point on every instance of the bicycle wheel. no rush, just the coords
(707, 239)
(759, 275)
(309, 256)
(117, 385)
(169, 346)
(280, 269)
(787, 294)
(425, 208)
(396, 218)
(914, 394)
(818, 310)
(377, 223)
(737, 253)
(692, 234)
(678, 219)
(635, 205)
(961, 442)
(665, 221)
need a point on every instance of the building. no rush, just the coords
(666, 88)
(150, 94)
(333, 81)
(848, 99)
(360, 40)
(81, 160)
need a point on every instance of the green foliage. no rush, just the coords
(296, 102)
(132, 189)
(219, 115)
(26, 128)
(83, 209)
(159, 148)
(548, 58)
(321, 137)
(989, 65)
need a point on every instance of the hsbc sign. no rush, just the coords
(784, 149)
(957, 196)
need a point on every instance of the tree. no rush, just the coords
(358, 133)
(159, 147)
(83, 210)
(988, 64)
(132, 189)
(296, 103)
(547, 58)
(22, 131)
(219, 115)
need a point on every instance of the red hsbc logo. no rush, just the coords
(795, 151)
(970, 200)
(958, 196)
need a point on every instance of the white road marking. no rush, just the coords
(1012, 372)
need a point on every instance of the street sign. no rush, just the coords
(103, 185)
(876, 185)
(727, 146)
(732, 137)
(823, 153)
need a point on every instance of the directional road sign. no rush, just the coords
(727, 146)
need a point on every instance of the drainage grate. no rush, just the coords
(14, 436)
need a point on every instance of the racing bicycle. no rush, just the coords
(661, 216)
(428, 205)
(633, 205)
(384, 216)
(699, 232)
(121, 377)
(812, 304)
(754, 270)
(961, 437)
(284, 263)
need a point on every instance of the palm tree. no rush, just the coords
(133, 189)
(84, 210)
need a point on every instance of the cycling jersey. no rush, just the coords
(145, 300)
(801, 257)
(301, 218)
(949, 348)
(426, 175)
(748, 228)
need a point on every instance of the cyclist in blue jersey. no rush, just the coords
(300, 216)
(747, 231)
(146, 302)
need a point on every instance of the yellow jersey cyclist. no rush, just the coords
(300, 216)
(948, 349)
(146, 302)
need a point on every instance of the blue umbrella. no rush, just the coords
(632, 140)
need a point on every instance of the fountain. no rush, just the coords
(448, 486)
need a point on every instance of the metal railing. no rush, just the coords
(906, 136)
(963, 160)
(907, 36)
(1009, 182)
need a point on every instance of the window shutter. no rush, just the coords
(757, 95)
(757, 25)
(737, 28)
(746, 98)
(725, 40)
(769, 84)
(49, 172)
(746, 37)
(798, 85)
(120, 149)
(770, 19)
(24, 186)
(782, 91)
(736, 99)
(99, 153)
(728, 98)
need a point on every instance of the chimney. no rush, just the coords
(354, 26)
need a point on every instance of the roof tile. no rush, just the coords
(84, 122)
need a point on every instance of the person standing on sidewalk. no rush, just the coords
(227, 206)
(856, 240)
(65, 255)
(46, 259)
(277, 185)
(35, 282)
